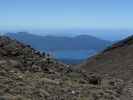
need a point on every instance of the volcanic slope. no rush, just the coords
(26, 74)
(116, 61)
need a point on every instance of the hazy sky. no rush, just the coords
(60, 14)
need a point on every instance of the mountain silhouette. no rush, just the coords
(56, 43)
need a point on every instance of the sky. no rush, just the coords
(66, 14)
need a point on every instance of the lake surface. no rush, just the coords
(72, 56)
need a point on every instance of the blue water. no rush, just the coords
(72, 54)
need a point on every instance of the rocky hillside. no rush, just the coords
(26, 74)
(115, 61)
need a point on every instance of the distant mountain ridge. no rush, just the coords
(71, 50)
(55, 43)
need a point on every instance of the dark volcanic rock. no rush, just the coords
(25, 58)
(116, 61)
(26, 74)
